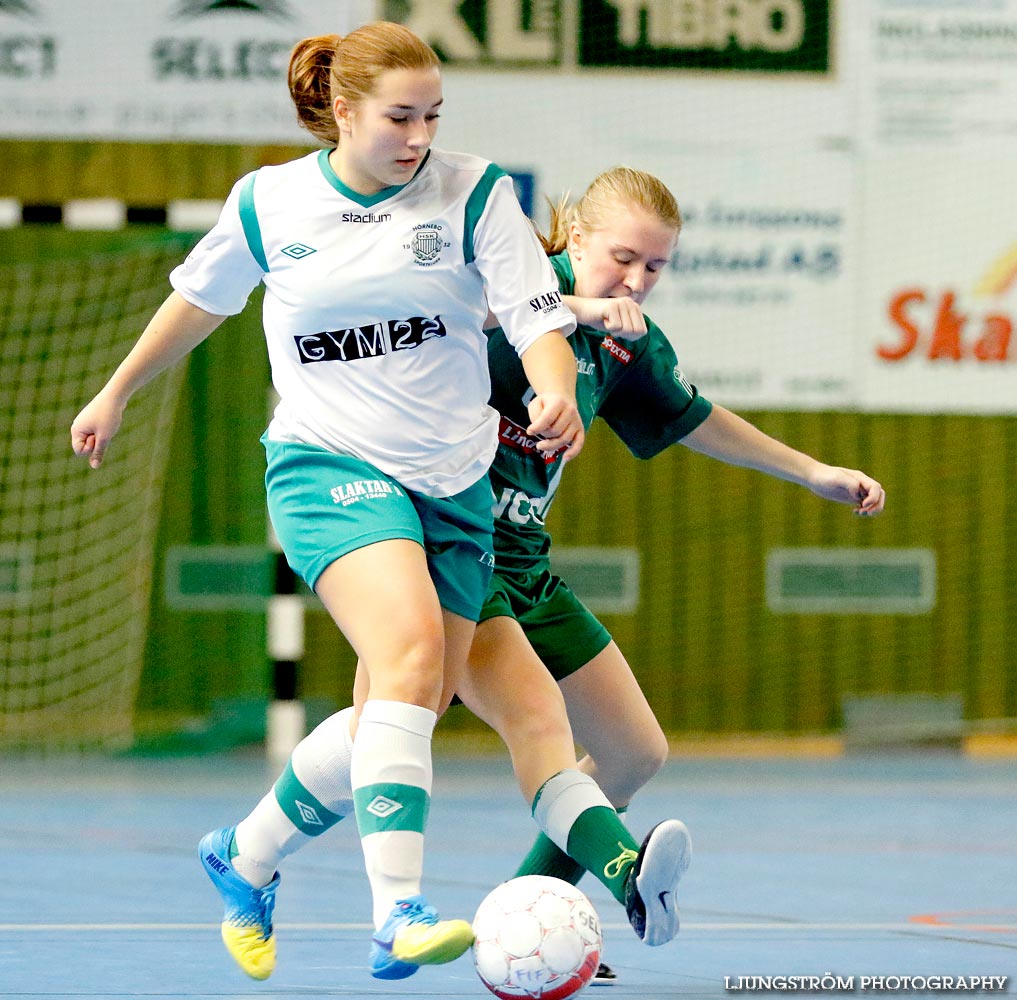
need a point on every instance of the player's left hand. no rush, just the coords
(555, 421)
(622, 316)
(849, 486)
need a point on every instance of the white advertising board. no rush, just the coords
(759, 300)
(157, 69)
(938, 72)
(940, 285)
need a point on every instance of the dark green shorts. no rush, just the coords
(325, 505)
(563, 632)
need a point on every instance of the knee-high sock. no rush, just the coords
(546, 858)
(311, 795)
(577, 816)
(391, 774)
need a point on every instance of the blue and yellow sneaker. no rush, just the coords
(247, 922)
(414, 936)
(652, 881)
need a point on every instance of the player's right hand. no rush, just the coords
(93, 429)
(555, 420)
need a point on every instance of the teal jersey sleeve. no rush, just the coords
(654, 405)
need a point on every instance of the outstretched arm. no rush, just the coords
(172, 333)
(726, 436)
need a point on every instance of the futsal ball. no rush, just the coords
(536, 936)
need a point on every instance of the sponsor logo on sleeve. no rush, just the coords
(546, 302)
(616, 350)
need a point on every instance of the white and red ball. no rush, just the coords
(537, 937)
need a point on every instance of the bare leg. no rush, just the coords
(625, 746)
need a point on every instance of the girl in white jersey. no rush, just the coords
(375, 254)
(418, 253)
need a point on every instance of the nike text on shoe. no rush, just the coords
(414, 936)
(650, 899)
(247, 922)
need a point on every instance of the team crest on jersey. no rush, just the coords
(428, 243)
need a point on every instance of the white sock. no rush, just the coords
(311, 796)
(392, 791)
(562, 799)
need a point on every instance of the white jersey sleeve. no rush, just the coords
(521, 285)
(221, 271)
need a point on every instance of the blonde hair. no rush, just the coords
(594, 210)
(329, 66)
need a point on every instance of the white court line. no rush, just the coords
(686, 927)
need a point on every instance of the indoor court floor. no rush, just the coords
(852, 867)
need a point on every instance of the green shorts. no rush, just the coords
(563, 632)
(325, 505)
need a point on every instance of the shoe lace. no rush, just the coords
(617, 865)
(417, 912)
(265, 906)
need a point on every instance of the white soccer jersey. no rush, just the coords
(374, 306)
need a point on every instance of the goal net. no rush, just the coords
(76, 544)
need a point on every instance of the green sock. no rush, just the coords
(603, 845)
(573, 812)
(547, 858)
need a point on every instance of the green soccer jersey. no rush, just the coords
(635, 385)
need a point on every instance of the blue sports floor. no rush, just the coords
(868, 866)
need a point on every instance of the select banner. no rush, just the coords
(204, 70)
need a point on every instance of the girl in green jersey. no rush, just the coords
(609, 250)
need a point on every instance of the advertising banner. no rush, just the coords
(940, 285)
(759, 299)
(215, 70)
(207, 70)
(939, 72)
(773, 35)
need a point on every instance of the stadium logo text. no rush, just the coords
(369, 217)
